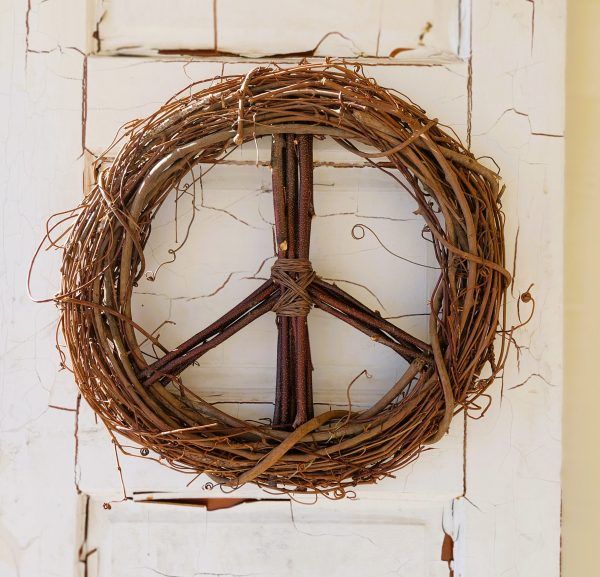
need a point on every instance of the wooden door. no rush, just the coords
(483, 501)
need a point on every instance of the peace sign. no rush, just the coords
(291, 292)
(457, 198)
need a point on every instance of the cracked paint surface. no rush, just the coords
(492, 485)
(383, 28)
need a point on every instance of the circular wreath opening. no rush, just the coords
(457, 197)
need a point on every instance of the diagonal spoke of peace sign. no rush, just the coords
(291, 292)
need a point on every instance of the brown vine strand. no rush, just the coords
(148, 402)
(184, 360)
(173, 362)
(303, 377)
(283, 414)
(291, 203)
(373, 326)
(330, 294)
(292, 272)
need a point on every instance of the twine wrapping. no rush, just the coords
(293, 276)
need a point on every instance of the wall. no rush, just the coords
(581, 466)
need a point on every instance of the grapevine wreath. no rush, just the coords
(147, 402)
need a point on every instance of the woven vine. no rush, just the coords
(457, 198)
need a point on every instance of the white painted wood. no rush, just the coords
(511, 524)
(504, 515)
(40, 172)
(266, 538)
(254, 29)
(130, 25)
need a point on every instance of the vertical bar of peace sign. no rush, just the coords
(291, 292)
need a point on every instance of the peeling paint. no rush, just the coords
(513, 110)
(447, 554)
(426, 29)
(510, 489)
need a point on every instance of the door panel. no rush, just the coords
(268, 538)
(491, 71)
(312, 28)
